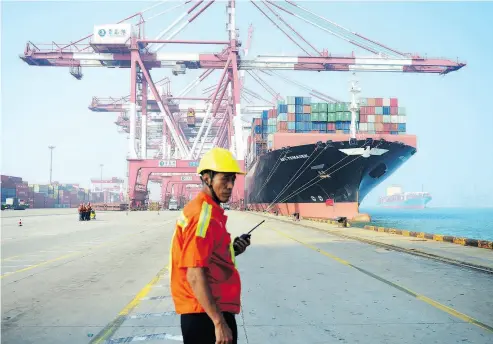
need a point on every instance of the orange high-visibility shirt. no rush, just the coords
(201, 240)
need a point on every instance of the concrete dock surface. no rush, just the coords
(105, 281)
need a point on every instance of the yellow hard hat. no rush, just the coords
(219, 160)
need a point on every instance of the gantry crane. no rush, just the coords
(124, 45)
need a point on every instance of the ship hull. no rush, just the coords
(322, 180)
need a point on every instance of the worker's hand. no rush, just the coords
(240, 245)
(223, 333)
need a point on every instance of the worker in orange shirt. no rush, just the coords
(205, 284)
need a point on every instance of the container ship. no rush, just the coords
(397, 199)
(321, 159)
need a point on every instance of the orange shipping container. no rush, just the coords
(371, 102)
(378, 118)
(307, 109)
(379, 127)
(291, 117)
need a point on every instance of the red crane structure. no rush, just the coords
(124, 45)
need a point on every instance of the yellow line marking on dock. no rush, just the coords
(111, 328)
(420, 297)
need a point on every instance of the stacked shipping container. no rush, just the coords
(300, 115)
(42, 196)
(382, 116)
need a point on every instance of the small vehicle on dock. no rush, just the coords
(173, 205)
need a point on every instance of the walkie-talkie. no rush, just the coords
(248, 235)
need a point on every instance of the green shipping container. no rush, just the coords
(347, 116)
(331, 107)
(314, 117)
(331, 117)
(314, 107)
(323, 117)
(323, 107)
(342, 107)
(339, 116)
(401, 111)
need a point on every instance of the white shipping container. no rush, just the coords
(270, 141)
(371, 126)
(386, 101)
(363, 127)
(112, 34)
(386, 118)
(401, 119)
(394, 119)
(371, 118)
(291, 108)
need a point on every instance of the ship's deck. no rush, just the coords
(79, 282)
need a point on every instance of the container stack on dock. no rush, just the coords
(301, 115)
(16, 192)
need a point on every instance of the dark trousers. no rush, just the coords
(198, 328)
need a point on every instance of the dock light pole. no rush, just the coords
(51, 162)
(101, 181)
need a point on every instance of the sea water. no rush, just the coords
(473, 223)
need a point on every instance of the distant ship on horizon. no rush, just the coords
(398, 199)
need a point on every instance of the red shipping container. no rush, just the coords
(394, 110)
(258, 121)
(282, 125)
(331, 126)
(370, 110)
(291, 117)
(363, 118)
(387, 127)
(378, 101)
(394, 102)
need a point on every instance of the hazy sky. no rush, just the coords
(451, 115)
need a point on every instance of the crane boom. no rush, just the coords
(373, 63)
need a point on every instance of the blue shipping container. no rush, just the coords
(298, 109)
(402, 127)
(282, 117)
(299, 117)
(386, 110)
(394, 133)
(265, 114)
(298, 100)
(291, 126)
(307, 100)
